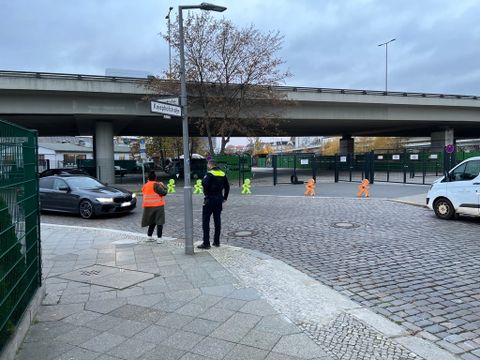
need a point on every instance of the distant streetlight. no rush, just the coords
(169, 43)
(386, 62)
(187, 189)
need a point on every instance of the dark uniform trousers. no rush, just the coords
(212, 205)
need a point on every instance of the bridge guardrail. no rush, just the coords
(48, 75)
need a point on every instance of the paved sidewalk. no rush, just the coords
(111, 295)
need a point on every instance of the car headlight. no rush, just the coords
(105, 200)
(134, 195)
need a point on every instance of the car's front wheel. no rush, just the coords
(444, 209)
(86, 209)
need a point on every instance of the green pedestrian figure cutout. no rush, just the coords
(198, 188)
(246, 187)
(171, 186)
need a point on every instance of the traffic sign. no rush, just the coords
(166, 109)
(143, 150)
(450, 148)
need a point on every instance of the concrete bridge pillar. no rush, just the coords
(103, 148)
(439, 139)
(346, 145)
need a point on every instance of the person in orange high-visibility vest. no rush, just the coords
(153, 205)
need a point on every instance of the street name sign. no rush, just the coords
(165, 109)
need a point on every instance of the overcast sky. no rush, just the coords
(328, 43)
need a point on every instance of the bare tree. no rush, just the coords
(230, 73)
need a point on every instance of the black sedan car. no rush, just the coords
(83, 195)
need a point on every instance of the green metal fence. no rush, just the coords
(20, 262)
(408, 166)
(237, 167)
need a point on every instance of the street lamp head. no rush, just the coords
(386, 43)
(212, 7)
(169, 11)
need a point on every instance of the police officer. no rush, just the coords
(216, 189)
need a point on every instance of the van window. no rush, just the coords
(457, 173)
(467, 171)
(472, 169)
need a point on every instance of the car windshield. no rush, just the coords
(81, 182)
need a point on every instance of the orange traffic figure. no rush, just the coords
(310, 188)
(363, 188)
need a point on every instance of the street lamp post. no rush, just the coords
(187, 189)
(386, 61)
(169, 44)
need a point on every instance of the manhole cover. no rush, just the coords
(345, 225)
(243, 233)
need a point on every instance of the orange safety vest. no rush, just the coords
(150, 197)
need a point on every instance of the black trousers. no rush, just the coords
(152, 227)
(211, 205)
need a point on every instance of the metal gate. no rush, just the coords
(292, 168)
(237, 167)
(20, 262)
(354, 167)
(405, 166)
(411, 166)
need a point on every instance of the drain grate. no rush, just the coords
(90, 273)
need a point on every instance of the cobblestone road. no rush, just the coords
(397, 259)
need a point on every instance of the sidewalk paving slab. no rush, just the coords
(225, 303)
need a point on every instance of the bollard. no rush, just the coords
(246, 187)
(310, 188)
(198, 188)
(171, 187)
(363, 188)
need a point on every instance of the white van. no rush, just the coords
(457, 193)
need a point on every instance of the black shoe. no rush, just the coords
(203, 246)
(216, 245)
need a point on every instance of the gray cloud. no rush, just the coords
(328, 43)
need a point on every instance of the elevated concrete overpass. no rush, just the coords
(65, 104)
(103, 106)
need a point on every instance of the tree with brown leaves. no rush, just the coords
(229, 74)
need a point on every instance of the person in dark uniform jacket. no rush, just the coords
(216, 189)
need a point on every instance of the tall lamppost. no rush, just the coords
(386, 62)
(187, 189)
(169, 43)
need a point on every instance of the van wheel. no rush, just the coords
(444, 209)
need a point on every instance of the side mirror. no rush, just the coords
(64, 188)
